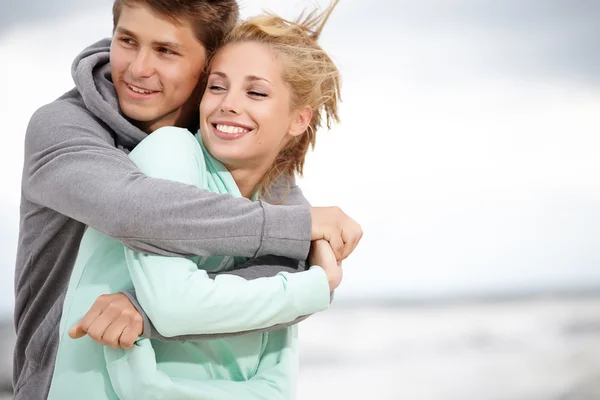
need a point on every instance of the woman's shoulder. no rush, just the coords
(171, 153)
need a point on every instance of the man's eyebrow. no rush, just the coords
(170, 45)
(124, 31)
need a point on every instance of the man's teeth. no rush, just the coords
(138, 90)
(231, 129)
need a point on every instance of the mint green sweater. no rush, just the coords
(180, 298)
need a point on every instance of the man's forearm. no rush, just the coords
(78, 172)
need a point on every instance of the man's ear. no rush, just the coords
(301, 120)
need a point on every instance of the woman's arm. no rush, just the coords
(181, 299)
(266, 266)
(134, 374)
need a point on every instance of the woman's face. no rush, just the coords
(246, 114)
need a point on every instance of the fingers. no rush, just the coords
(337, 245)
(123, 332)
(321, 254)
(335, 276)
(81, 328)
(112, 335)
(130, 334)
(351, 237)
(112, 321)
(333, 225)
(76, 331)
(100, 326)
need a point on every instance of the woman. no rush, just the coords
(267, 89)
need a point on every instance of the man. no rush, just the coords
(77, 174)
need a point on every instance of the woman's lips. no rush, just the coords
(229, 131)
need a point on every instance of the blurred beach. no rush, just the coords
(483, 115)
(539, 348)
(535, 349)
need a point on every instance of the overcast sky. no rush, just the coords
(469, 146)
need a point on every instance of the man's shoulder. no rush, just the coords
(63, 118)
(66, 109)
(285, 191)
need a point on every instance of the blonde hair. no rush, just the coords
(312, 76)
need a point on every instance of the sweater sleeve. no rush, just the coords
(134, 374)
(265, 266)
(181, 299)
(72, 166)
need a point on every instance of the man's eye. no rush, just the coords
(164, 50)
(127, 41)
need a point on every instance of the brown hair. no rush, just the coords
(210, 20)
(312, 76)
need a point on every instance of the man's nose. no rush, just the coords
(142, 65)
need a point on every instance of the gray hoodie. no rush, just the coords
(77, 173)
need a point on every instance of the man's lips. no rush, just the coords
(140, 89)
(139, 93)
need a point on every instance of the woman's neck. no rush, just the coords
(247, 179)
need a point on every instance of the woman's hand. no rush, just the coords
(321, 254)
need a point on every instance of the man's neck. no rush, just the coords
(185, 117)
(181, 121)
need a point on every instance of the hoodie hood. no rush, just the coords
(92, 76)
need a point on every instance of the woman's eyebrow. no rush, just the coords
(219, 73)
(253, 78)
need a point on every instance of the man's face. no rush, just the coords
(155, 66)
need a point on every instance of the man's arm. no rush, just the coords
(76, 170)
(168, 154)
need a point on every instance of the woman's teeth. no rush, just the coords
(231, 129)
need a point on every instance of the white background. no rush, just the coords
(469, 147)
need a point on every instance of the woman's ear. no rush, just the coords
(301, 120)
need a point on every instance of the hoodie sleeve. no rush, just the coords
(71, 165)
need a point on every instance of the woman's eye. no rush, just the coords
(215, 87)
(257, 94)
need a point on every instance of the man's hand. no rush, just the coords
(333, 225)
(112, 321)
(322, 255)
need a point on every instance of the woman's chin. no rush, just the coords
(228, 158)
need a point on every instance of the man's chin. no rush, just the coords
(139, 114)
